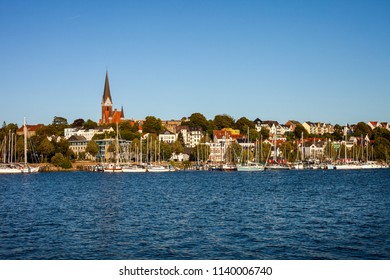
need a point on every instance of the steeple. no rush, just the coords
(122, 114)
(107, 94)
(106, 103)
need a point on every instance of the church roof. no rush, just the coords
(107, 93)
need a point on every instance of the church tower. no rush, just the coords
(106, 103)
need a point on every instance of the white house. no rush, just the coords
(167, 137)
(87, 133)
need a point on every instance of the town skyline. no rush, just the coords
(272, 60)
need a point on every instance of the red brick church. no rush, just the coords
(109, 115)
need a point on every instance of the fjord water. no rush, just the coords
(314, 214)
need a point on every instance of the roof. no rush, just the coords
(74, 138)
(107, 93)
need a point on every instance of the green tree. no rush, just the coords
(177, 147)
(92, 148)
(152, 125)
(338, 133)
(57, 159)
(382, 149)
(60, 121)
(362, 129)
(77, 123)
(46, 148)
(90, 124)
(223, 121)
(299, 129)
(243, 124)
(199, 120)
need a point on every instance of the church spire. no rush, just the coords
(122, 114)
(106, 93)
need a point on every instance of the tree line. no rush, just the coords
(58, 152)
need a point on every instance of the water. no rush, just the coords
(196, 215)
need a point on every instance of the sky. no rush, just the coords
(326, 61)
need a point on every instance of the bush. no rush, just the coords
(60, 161)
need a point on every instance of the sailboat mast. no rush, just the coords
(25, 141)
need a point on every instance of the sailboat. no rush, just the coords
(137, 167)
(17, 168)
(115, 167)
(249, 166)
(275, 165)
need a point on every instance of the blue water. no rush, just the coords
(332, 214)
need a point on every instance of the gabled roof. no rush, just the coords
(77, 138)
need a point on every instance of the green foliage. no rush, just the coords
(299, 129)
(264, 133)
(152, 125)
(223, 121)
(362, 129)
(92, 148)
(77, 123)
(382, 149)
(60, 161)
(177, 147)
(46, 148)
(90, 124)
(60, 121)
(338, 133)
(243, 124)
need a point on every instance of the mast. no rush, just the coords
(25, 142)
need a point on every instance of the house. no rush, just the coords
(191, 136)
(78, 144)
(171, 125)
(292, 124)
(87, 133)
(314, 149)
(318, 127)
(31, 130)
(167, 137)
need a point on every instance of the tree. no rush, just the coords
(60, 161)
(362, 129)
(243, 124)
(338, 133)
(90, 124)
(381, 149)
(92, 148)
(46, 148)
(152, 125)
(60, 121)
(177, 147)
(199, 120)
(77, 123)
(299, 129)
(223, 121)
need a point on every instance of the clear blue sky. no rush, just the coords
(323, 61)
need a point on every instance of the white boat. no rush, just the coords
(348, 166)
(277, 167)
(133, 169)
(372, 165)
(112, 167)
(158, 168)
(10, 169)
(250, 167)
